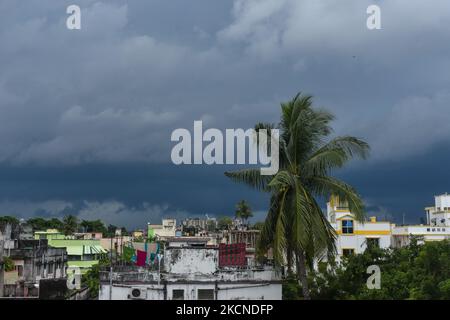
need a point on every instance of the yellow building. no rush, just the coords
(354, 236)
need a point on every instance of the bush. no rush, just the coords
(9, 264)
(412, 272)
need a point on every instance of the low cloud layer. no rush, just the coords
(110, 212)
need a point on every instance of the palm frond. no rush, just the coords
(326, 186)
(335, 154)
(279, 243)
(250, 177)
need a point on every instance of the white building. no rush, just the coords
(205, 223)
(167, 229)
(436, 229)
(401, 235)
(192, 272)
(439, 215)
(354, 236)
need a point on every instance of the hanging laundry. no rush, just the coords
(141, 257)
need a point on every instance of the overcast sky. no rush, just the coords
(86, 115)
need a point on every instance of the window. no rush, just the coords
(347, 226)
(348, 252)
(373, 242)
(177, 294)
(205, 294)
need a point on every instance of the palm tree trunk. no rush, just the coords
(289, 258)
(301, 273)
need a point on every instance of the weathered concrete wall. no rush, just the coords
(153, 292)
(252, 275)
(190, 261)
(190, 289)
(244, 291)
(232, 291)
(11, 277)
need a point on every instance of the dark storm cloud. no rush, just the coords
(129, 194)
(393, 187)
(86, 116)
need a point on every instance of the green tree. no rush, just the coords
(124, 231)
(85, 225)
(70, 224)
(55, 223)
(91, 278)
(224, 223)
(13, 221)
(295, 227)
(8, 264)
(38, 224)
(41, 224)
(412, 272)
(111, 231)
(94, 226)
(243, 210)
(258, 226)
(444, 288)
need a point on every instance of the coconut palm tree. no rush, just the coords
(70, 224)
(295, 227)
(243, 211)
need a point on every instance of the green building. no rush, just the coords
(81, 253)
